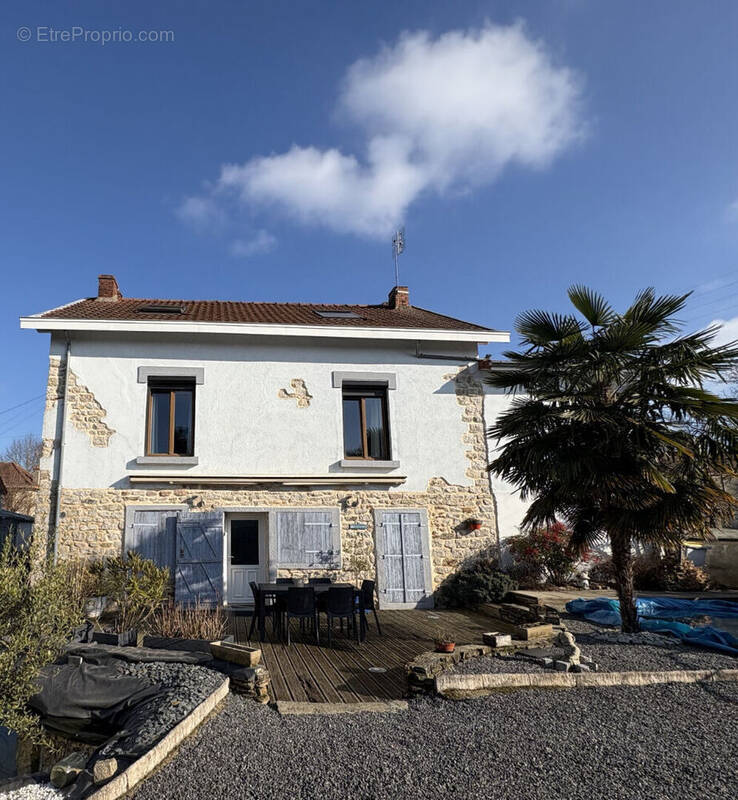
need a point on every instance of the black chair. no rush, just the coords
(367, 604)
(340, 605)
(319, 581)
(301, 605)
(289, 581)
(259, 600)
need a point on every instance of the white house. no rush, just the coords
(238, 441)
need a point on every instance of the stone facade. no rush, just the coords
(86, 413)
(91, 520)
(299, 393)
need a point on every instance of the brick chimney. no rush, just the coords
(107, 288)
(399, 297)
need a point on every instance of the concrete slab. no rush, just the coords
(290, 708)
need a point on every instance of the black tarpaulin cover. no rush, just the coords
(87, 700)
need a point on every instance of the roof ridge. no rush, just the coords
(233, 302)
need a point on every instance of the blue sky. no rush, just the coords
(588, 142)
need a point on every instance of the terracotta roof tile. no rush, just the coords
(369, 316)
(13, 476)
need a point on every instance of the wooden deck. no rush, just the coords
(341, 673)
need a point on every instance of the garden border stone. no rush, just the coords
(149, 761)
(290, 708)
(455, 686)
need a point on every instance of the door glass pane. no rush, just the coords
(244, 541)
(183, 422)
(352, 444)
(160, 422)
(375, 433)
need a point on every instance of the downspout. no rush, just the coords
(60, 460)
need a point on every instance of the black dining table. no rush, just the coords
(280, 590)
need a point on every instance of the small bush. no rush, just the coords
(668, 573)
(545, 554)
(39, 608)
(189, 622)
(470, 587)
(602, 571)
(136, 585)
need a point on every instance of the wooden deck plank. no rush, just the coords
(333, 676)
(305, 672)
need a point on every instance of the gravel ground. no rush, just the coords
(36, 791)
(486, 664)
(656, 653)
(186, 687)
(598, 744)
(643, 651)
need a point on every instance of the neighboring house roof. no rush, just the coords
(13, 476)
(111, 311)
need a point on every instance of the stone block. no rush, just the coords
(105, 768)
(494, 639)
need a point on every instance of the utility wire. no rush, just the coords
(24, 403)
(18, 420)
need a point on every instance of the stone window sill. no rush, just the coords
(168, 461)
(368, 463)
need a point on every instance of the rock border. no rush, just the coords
(142, 767)
(455, 686)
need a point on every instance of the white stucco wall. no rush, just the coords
(510, 508)
(243, 428)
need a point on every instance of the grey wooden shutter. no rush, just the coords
(199, 558)
(391, 535)
(412, 557)
(318, 547)
(289, 538)
(152, 534)
(403, 559)
(308, 538)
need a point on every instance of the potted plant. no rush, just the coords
(474, 524)
(444, 642)
(137, 588)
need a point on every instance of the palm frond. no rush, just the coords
(540, 327)
(591, 305)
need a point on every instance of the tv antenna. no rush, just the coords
(398, 247)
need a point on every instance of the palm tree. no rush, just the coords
(612, 429)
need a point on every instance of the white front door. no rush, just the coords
(245, 557)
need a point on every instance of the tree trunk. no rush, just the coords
(622, 562)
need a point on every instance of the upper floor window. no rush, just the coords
(365, 428)
(170, 419)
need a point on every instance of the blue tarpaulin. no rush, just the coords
(656, 614)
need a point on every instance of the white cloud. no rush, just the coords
(202, 212)
(728, 330)
(262, 242)
(436, 114)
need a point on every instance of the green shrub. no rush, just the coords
(39, 607)
(480, 583)
(136, 585)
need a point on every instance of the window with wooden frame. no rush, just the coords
(365, 422)
(170, 418)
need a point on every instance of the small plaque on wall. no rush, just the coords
(358, 526)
